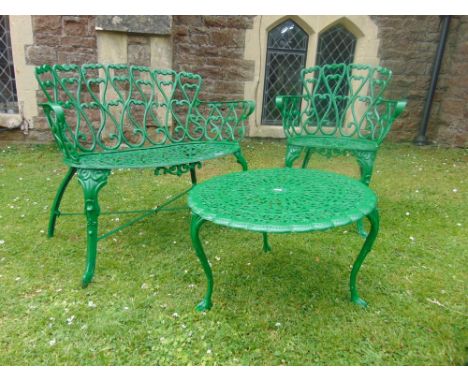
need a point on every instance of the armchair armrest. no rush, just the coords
(391, 110)
(290, 108)
(283, 101)
(393, 107)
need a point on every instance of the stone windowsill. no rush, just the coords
(10, 121)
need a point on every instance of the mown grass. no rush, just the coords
(290, 306)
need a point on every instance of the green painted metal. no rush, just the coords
(281, 201)
(55, 208)
(326, 122)
(266, 243)
(105, 117)
(374, 220)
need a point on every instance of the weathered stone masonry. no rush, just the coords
(213, 46)
(407, 46)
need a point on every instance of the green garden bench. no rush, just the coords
(341, 111)
(106, 117)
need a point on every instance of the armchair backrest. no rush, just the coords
(342, 100)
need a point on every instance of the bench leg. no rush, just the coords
(366, 164)
(241, 160)
(92, 181)
(367, 246)
(196, 223)
(54, 210)
(292, 153)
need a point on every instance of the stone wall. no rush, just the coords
(407, 46)
(59, 39)
(213, 46)
(450, 124)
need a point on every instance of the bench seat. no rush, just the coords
(157, 156)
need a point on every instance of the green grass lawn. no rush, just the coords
(290, 306)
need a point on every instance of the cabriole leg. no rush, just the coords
(241, 160)
(366, 164)
(367, 246)
(55, 208)
(92, 181)
(195, 225)
(292, 153)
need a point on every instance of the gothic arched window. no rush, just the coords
(8, 96)
(335, 46)
(286, 57)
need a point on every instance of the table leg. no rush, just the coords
(197, 222)
(266, 243)
(367, 246)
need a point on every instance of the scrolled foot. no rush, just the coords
(204, 305)
(87, 277)
(86, 280)
(359, 301)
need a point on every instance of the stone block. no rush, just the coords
(159, 25)
(77, 56)
(139, 55)
(47, 24)
(79, 42)
(228, 38)
(75, 26)
(49, 39)
(190, 20)
(40, 54)
(238, 22)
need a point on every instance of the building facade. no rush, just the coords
(243, 57)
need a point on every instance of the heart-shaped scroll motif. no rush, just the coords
(189, 85)
(47, 80)
(72, 95)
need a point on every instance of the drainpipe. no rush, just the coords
(421, 139)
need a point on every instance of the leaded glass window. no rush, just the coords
(286, 57)
(8, 97)
(335, 45)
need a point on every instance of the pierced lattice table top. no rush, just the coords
(282, 200)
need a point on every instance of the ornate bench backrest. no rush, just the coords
(114, 107)
(342, 100)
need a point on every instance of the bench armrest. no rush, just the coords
(55, 115)
(223, 119)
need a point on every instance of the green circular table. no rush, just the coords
(282, 200)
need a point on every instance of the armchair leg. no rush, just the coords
(308, 154)
(54, 210)
(241, 160)
(193, 176)
(92, 181)
(366, 164)
(292, 153)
